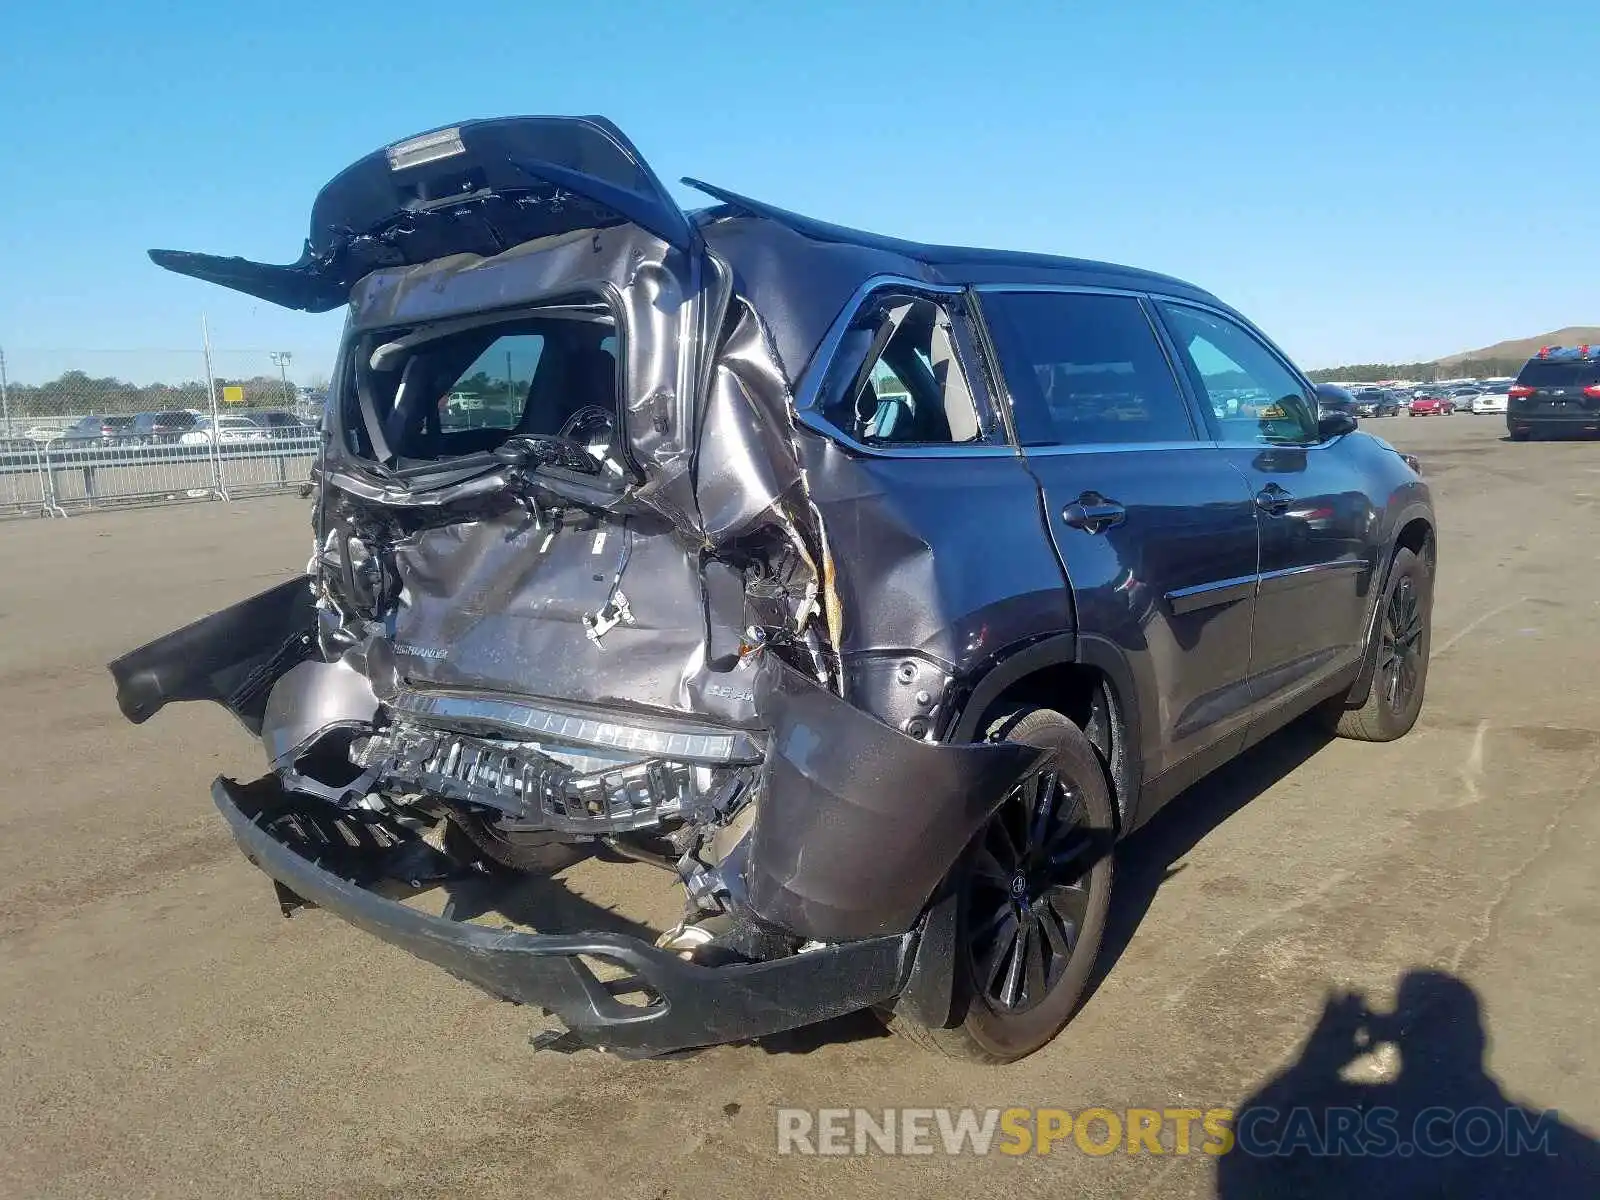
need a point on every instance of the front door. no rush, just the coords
(1156, 530)
(1317, 564)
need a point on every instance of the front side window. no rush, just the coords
(897, 380)
(1251, 394)
(1085, 369)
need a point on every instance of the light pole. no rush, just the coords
(5, 394)
(281, 360)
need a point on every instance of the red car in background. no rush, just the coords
(1432, 405)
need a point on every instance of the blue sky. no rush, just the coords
(1368, 180)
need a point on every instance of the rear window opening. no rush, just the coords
(1553, 373)
(464, 386)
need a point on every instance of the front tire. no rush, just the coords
(1402, 634)
(1033, 889)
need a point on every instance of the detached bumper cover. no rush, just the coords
(693, 1006)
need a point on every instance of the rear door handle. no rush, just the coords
(1273, 499)
(1093, 513)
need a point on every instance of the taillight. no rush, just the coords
(1521, 390)
(1592, 391)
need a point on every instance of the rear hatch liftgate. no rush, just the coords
(480, 188)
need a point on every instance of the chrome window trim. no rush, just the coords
(1199, 443)
(1211, 595)
(1070, 288)
(805, 402)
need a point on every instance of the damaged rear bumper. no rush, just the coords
(688, 1005)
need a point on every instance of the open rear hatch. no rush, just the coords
(479, 187)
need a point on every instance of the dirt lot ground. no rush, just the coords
(167, 1033)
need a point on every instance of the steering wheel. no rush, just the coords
(590, 426)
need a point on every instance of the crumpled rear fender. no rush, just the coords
(232, 657)
(860, 823)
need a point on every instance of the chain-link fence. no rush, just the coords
(215, 424)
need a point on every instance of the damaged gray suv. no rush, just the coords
(873, 589)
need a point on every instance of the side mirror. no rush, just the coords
(1335, 424)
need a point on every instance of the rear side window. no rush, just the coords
(1549, 373)
(897, 380)
(1085, 369)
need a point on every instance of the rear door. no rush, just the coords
(1316, 518)
(1156, 530)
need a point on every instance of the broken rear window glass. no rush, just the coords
(453, 388)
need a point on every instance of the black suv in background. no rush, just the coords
(1557, 391)
(1377, 402)
(871, 588)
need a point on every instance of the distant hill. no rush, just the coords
(1523, 348)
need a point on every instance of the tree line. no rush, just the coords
(1425, 372)
(77, 393)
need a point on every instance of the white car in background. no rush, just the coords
(225, 431)
(1495, 398)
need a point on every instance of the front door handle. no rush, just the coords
(1273, 499)
(1093, 513)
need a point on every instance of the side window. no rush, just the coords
(1251, 394)
(896, 379)
(1085, 369)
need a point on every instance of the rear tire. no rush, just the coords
(1401, 633)
(528, 856)
(1029, 928)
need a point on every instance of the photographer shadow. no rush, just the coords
(1342, 1121)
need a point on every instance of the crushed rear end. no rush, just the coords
(568, 592)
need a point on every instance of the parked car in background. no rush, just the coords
(1432, 405)
(1377, 402)
(285, 425)
(1494, 398)
(225, 430)
(103, 431)
(1557, 391)
(160, 428)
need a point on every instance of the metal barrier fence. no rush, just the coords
(24, 491)
(68, 475)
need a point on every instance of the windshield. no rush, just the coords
(465, 386)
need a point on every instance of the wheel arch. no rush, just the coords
(1084, 677)
(1414, 531)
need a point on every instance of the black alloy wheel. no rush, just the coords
(1030, 895)
(1399, 649)
(1032, 891)
(1400, 646)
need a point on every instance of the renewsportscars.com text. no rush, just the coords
(1260, 1131)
